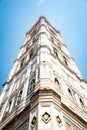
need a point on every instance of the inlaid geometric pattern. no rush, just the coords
(46, 117)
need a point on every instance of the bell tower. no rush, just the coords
(44, 90)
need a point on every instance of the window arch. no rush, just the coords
(19, 97)
(70, 94)
(34, 39)
(69, 91)
(81, 102)
(10, 104)
(8, 108)
(65, 60)
(31, 54)
(22, 62)
(32, 84)
(55, 52)
(57, 82)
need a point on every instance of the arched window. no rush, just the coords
(8, 109)
(82, 104)
(22, 62)
(31, 54)
(55, 52)
(70, 93)
(65, 60)
(34, 39)
(57, 82)
(32, 84)
(10, 104)
(19, 97)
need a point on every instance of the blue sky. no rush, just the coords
(18, 16)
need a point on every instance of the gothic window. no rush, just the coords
(8, 109)
(10, 103)
(81, 102)
(19, 97)
(34, 39)
(69, 91)
(65, 60)
(22, 63)
(15, 98)
(57, 82)
(55, 52)
(31, 53)
(32, 84)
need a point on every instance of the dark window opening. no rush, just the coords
(31, 53)
(22, 62)
(81, 101)
(69, 91)
(33, 81)
(65, 60)
(56, 81)
(19, 97)
(10, 103)
(34, 40)
(32, 84)
(55, 52)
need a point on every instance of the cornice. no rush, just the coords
(70, 114)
